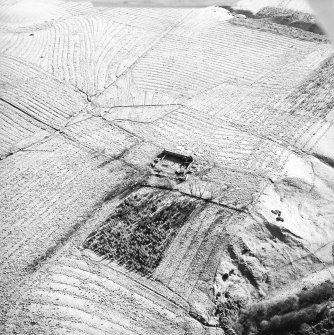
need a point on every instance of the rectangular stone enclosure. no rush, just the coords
(171, 164)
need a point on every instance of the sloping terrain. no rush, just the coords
(94, 241)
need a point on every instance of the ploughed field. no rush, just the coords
(165, 170)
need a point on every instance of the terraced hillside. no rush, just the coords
(104, 229)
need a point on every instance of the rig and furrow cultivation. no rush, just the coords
(101, 136)
(17, 129)
(74, 293)
(59, 182)
(188, 245)
(89, 52)
(38, 94)
(229, 146)
(163, 171)
(200, 46)
(28, 15)
(152, 19)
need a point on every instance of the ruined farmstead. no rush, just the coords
(171, 164)
(166, 170)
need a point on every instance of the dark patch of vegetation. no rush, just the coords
(120, 190)
(51, 251)
(282, 21)
(292, 18)
(276, 232)
(317, 295)
(133, 181)
(247, 13)
(115, 157)
(269, 25)
(228, 312)
(279, 12)
(141, 229)
(280, 16)
(245, 268)
(305, 313)
(322, 327)
(326, 160)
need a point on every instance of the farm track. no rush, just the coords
(139, 113)
(94, 92)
